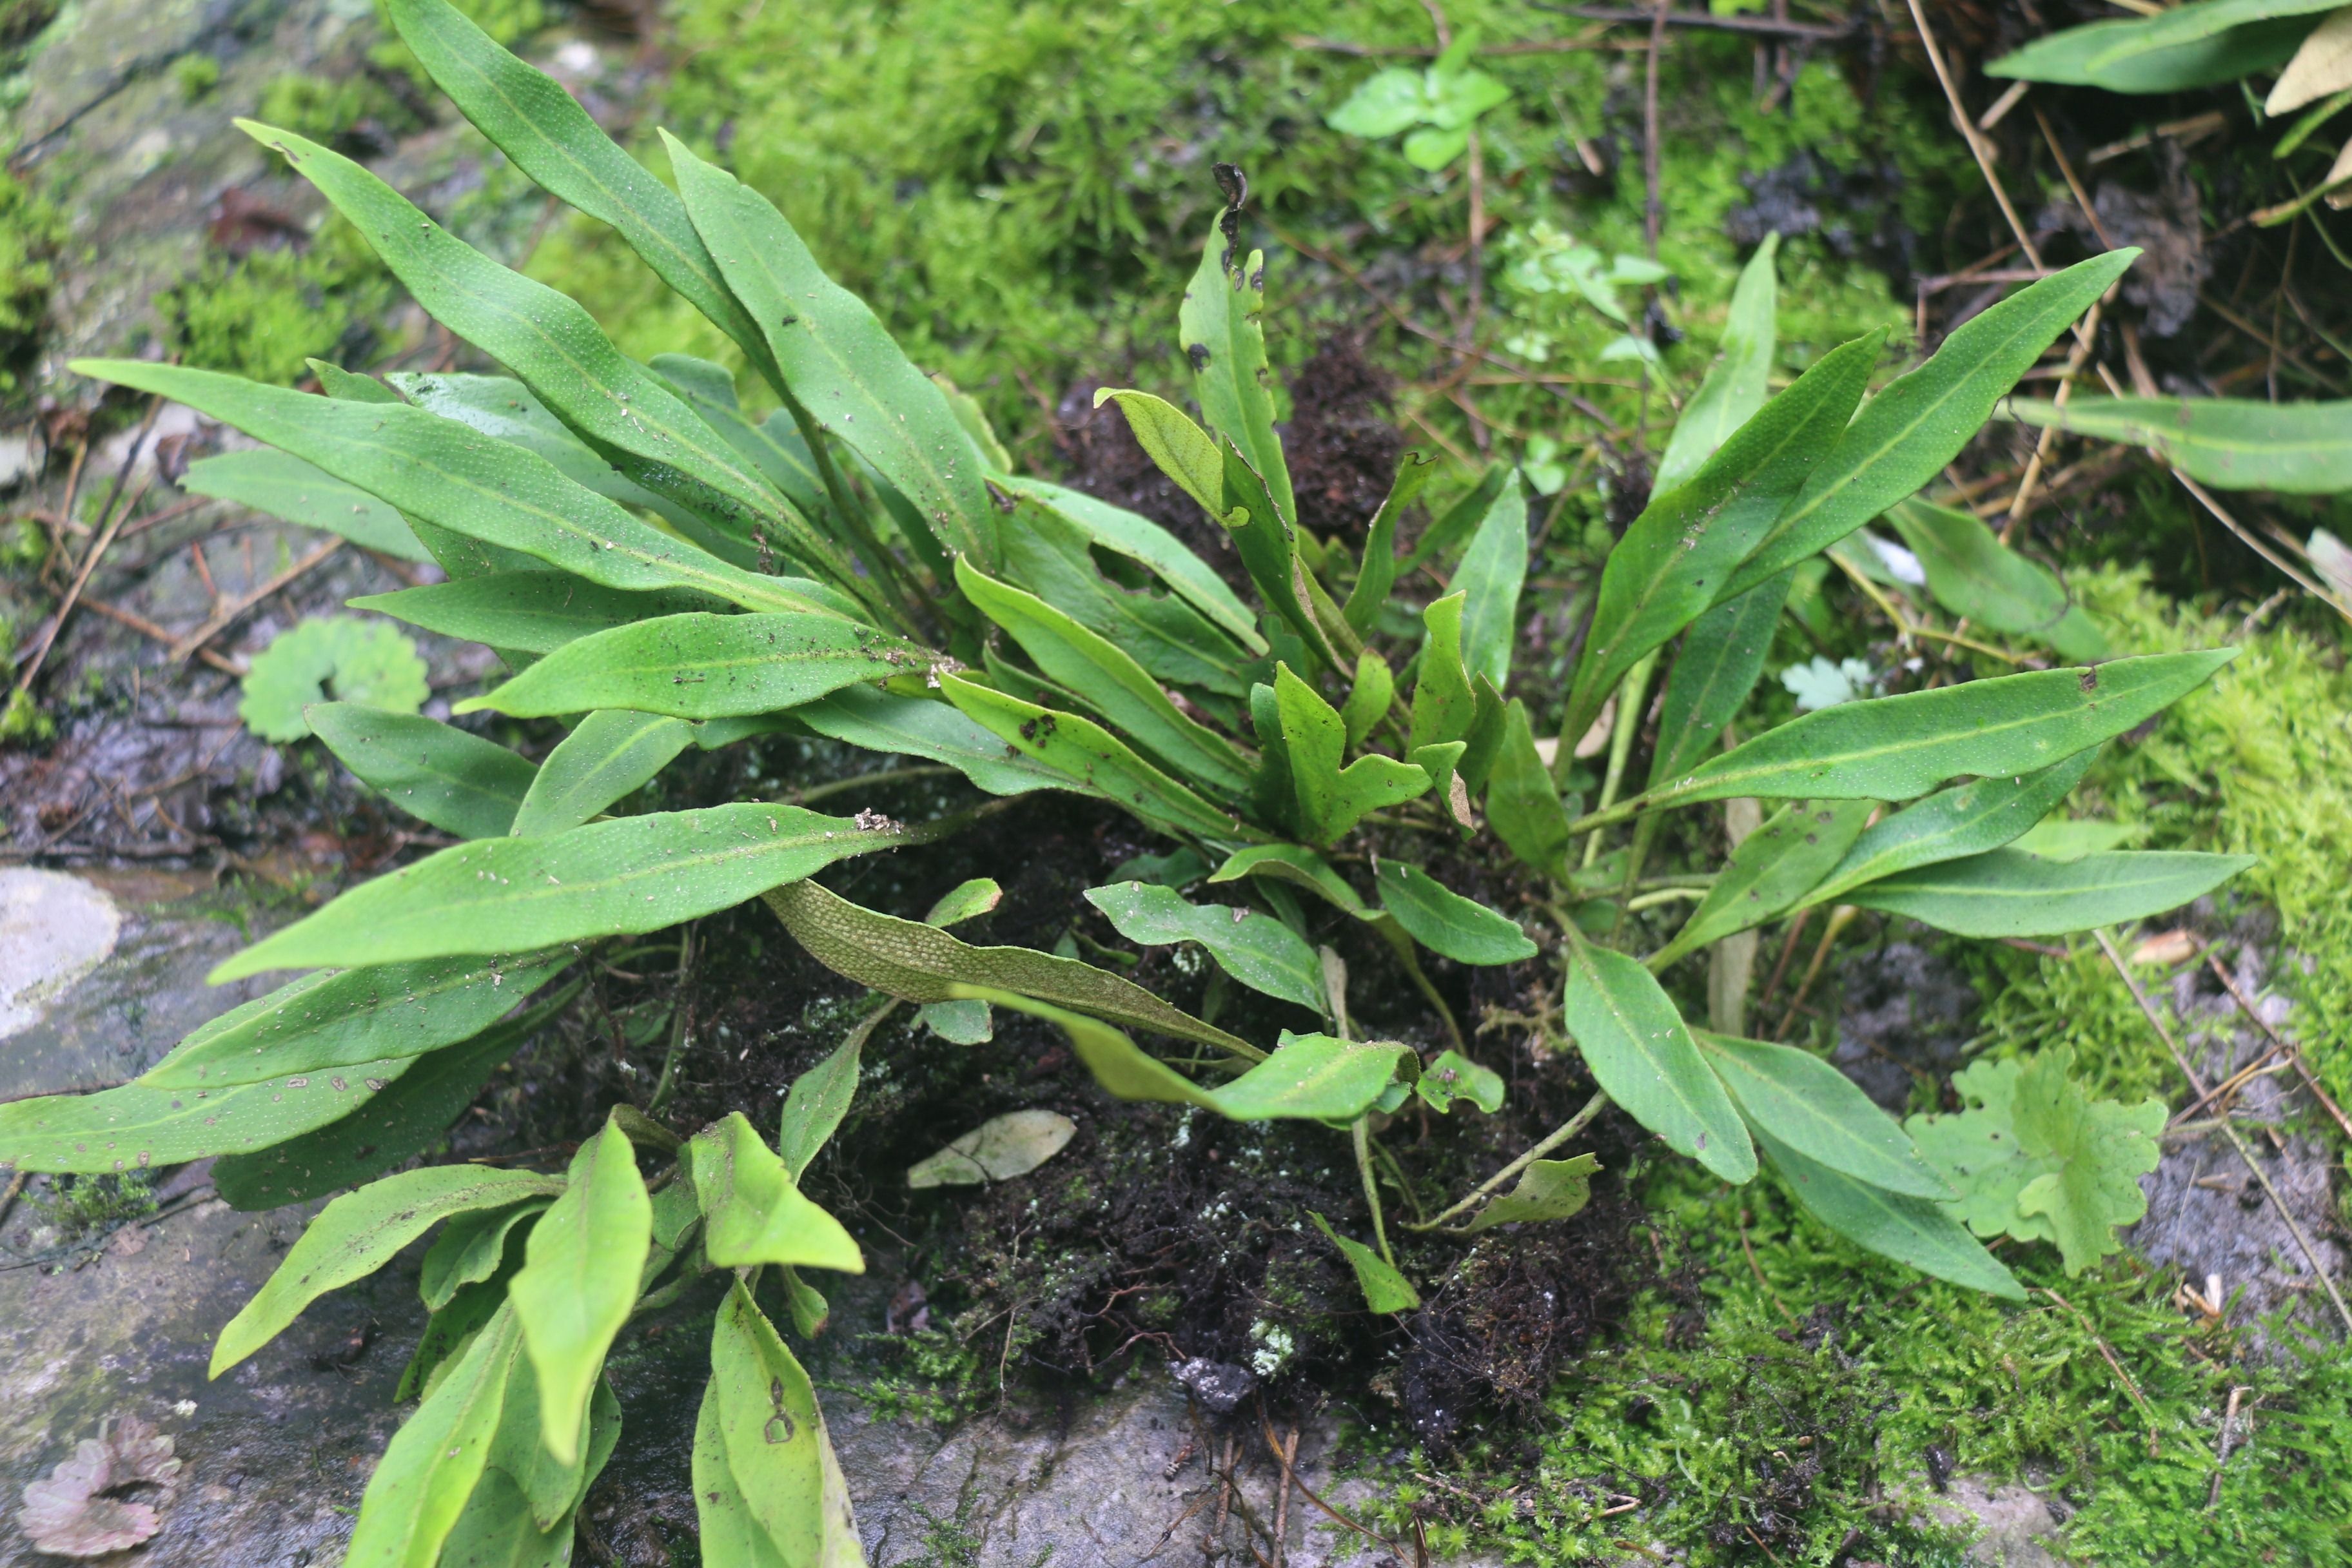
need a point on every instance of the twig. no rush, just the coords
(866, 781)
(1767, 26)
(1654, 208)
(164, 634)
(1553, 1140)
(1289, 1454)
(1839, 918)
(2246, 537)
(2229, 1428)
(81, 579)
(2294, 1053)
(1290, 1477)
(681, 1023)
(228, 613)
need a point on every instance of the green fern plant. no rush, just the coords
(655, 565)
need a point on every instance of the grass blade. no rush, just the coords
(2296, 448)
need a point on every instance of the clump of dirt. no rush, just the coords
(1855, 211)
(1101, 457)
(1341, 445)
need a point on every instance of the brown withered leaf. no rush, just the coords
(77, 1510)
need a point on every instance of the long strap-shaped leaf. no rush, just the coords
(527, 612)
(1640, 1051)
(579, 1279)
(611, 754)
(634, 874)
(838, 358)
(1736, 384)
(2007, 893)
(2238, 444)
(434, 1462)
(1908, 432)
(439, 471)
(459, 783)
(1980, 815)
(287, 487)
(1219, 328)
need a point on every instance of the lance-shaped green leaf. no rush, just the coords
(1492, 571)
(1113, 683)
(1454, 525)
(622, 409)
(1256, 949)
(1264, 540)
(496, 1529)
(409, 1115)
(919, 962)
(358, 1234)
(1299, 867)
(753, 1212)
(771, 1432)
(2296, 448)
(1369, 697)
(888, 722)
(1816, 1109)
(1522, 806)
(1444, 921)
(838, 358)
(471, 1248)
(1895, 748)
(965, 902)
(549, 1488)
(1908, 432)
(609, 755)
(819, 1099)
(1219, 329)
(328, 1022)
(579, 1281)
(632, 874)
(1331, 799)
(1640, 1051)
(1972, 574)
(1734, 385)
(1179, 449)
(775, 446)
(1721, 658)
(1772, 868)
(1916, 1231)
(530, 612)
(1444, 703)
(2192, 46)
(706, 667)
(459, 783)
(1976, 817)
(1378, 574)
(135, 1126)
(1080, 749)
(438, 474)
(1125, 533)
(1675, 558)
(1551, 1189)
(1385, 1289)
(287, 487)
(433, 1463)
(1309, 1077)
(2007, 893)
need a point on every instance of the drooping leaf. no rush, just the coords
(998, 1150)
(920, 962)
(1256, 949)
(1640, 1051)
(579, 1279)
(2296, 448)
(1551, 1189)
(2192, 46)
(607, 757)
(459, 783)
(1330, 799)
(1300, 867)
(1734, 385)
(1369, 697)
(769, 1430)
(1722, 657)
(287, 487)
(1268, 543)
(1378, 574)
(1139, 539)
(1817, 1111)
(1385, 1289)
(632, 874)
(819, 1099)
(342, 657)
(471, 1248)
(1179, 449)
(753, 1211)
(1218, 331)
(1905, 434)
(1894, 748)
(1982, 814)
(885, 722)
(2009, 892)
(1453, 1077)
(434, 1461)
(1972, 574)
(1444, 921)
(1082, 750)
(1491, 572)
(1910, 1230)
(1772, 868)
(530, 612)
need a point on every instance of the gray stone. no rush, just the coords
(54, 928)
(2019, 1527)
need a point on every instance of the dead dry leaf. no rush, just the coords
(2320, 67)
(996, 1151)
(77, 1511)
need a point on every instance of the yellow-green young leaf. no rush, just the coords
(1082, 750)
(1522, 805)
(1905, 434)
(1264, 539)
(608, 755)
(1181, 449)
(1492, 571)
(998, 1150)
(459, 783)
(1910, 1230)
(528, 612)
(1385, 1289)
(469, 1249)
(1734, 385)
(1982, 815)
(1640, 1051)
(579, 1279)
(1551, 1189)
(707, 667)
(1772, 868)
(632, 874)
(1113, 683)
(754, 1212)
(837, 360)
(965, 901)
(1299, 867)
(1894, 748)
(2007, 893)
(358, 1234)
(885, 722)
(2192, 46)
(1444, 705)
(1256, 949)
(1331, 800)
(1378, 574)
(1138, 538)
(2299, 449)
(1219, 329)
(496, 1530)
(1368, 698)
(820, 1098)
(919, 962)
(770, 1431)
(434, 1462)
(1675, 557)
(1444, 921)
(1972, 574)
(1722, 657)
(442, 474)
(728, 1534)
(287, 487)
(135, 1126)
(1817, 1111)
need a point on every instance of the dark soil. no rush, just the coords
(1342, 445)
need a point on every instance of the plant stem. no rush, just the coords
(681, 1025)
(1362, 1134)
(1560, 1135)
(1621, 739)
(855, 781)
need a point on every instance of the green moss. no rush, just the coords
(196, 74)
(262, 316)
(325, 109)
(79, 1206)
(30, 232)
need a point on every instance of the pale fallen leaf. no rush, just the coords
(996, 1151)
(2165, 947)
(1598, 736)
(2320, 67)
(2333, 560)
(75, 1512)
(2339, 193)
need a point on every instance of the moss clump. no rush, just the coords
(262, 316)
(31, 230)
(79, 1206)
